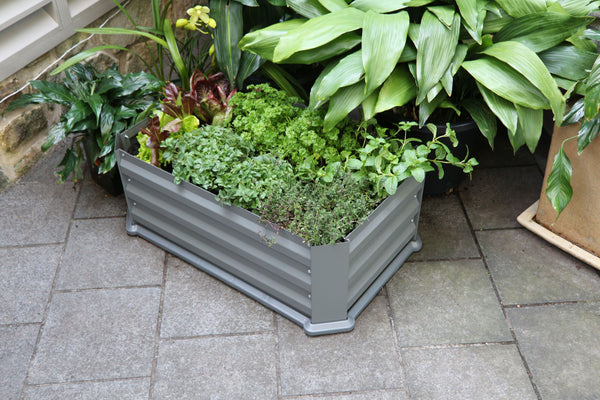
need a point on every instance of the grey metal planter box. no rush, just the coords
(321, 288)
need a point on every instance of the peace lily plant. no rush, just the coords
(503, 60)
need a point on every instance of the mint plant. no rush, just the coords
(387, 161)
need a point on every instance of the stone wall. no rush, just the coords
(23, 131)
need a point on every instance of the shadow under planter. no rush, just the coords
(321, 288)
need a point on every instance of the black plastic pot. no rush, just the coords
(110, 181)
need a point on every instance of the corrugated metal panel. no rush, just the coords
(195, 221)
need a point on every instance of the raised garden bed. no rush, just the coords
(321, 288)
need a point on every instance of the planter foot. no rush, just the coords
(132, 229)
(329, 327)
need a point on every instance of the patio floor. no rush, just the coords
(485, 311)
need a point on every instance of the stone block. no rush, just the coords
(22, 128)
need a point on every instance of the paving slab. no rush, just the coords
(26, 276)
(490, 372)
(217, 368)
(196, 304)
(444, 230)
(43, 170)
(527, 269)
(16, 347)
(445, 302)
(100, 254)
(97, 334)
(130, 389)
(361, 360)
(94, 202)
(561, 344)
(370, 395)
(496, 196)
(36, 213)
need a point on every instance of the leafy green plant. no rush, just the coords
(320, 213)
(98, 106)
(586, 111)
(182, 55)
(275, 122)
(514, 55)
(218, 160)
(387, 161)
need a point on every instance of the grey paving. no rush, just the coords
(485, 311)
(444, 230)
(446, 302)
(103, 334)
(94, 202)
(131, 262)
(561, 344)
(196, 304)
(129, 389)
(219, 368)
(527, 269)
(16, 348)
(496, 196)
(26, 276)
(364, 359)
(35, 213)
(490, 372)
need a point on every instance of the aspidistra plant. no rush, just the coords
(382, 54)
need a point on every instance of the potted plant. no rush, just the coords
(97, 106)
(494, 61)
(567, 211)
(256, 201)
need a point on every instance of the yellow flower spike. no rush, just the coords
(211, 51)
(191, 11)
(190, 27)
(205, 10)
(204, 18)
(181, 22)
(212, 23)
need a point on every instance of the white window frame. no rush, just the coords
(31, 28)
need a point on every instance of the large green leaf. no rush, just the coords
(50, 92)
(528, 64)
(469, 12)
(342, 102)
(541, 31)
(568, 62)
(503, 109)
(592, 94)
(559, 190)
(175, 55)
(333, 5)
(284, 80)
(587, 132)
(579, 8)
(506, 82)
(337, 46)
(123, 31)
(519, 8)
(368, 105)
(317, 32)
(346, 72)
(397, 90)
(483, 117)
(249, 63)
(383, 39)
(263, 41)
(314, 103)
(307, 8)
(530, 123)
(227, 34)
(385, 6)
(435, 51)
